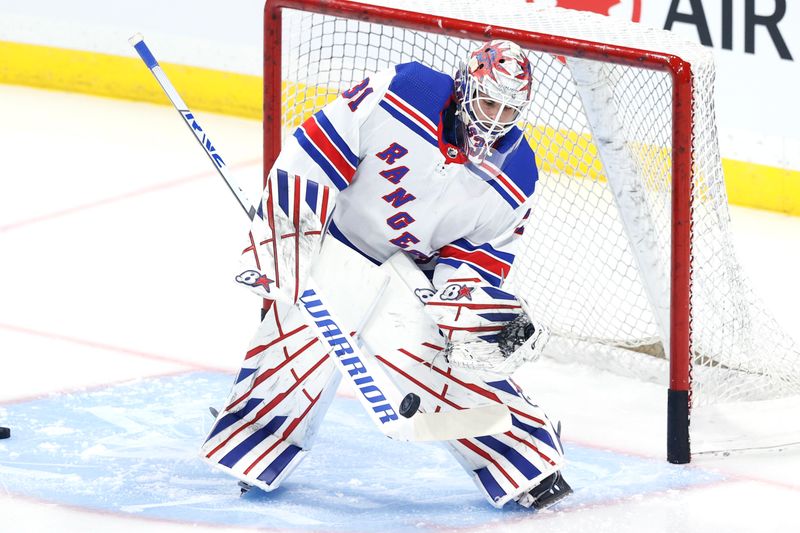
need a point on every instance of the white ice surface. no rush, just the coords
(117, 243)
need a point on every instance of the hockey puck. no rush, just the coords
(409, 405)
(5, 432)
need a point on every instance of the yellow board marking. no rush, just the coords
(127, 77)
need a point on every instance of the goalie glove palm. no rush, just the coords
(512, 351)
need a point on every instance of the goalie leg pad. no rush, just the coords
(503, 466)
(277, 402)
(508, 465)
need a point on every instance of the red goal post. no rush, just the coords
(681, 151)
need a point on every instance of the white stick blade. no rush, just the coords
(452, 425)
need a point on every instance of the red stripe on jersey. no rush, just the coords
(321, 141)
(479, 258)
(407, 109)
(505, 181)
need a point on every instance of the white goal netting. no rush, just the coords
(595, 263)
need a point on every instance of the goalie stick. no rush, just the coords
(411, 424)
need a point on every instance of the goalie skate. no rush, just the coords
(550, 491)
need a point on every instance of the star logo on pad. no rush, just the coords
(465, 292)
(262, 281)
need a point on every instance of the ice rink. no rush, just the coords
(120, 323)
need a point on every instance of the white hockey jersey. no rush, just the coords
(382, 145)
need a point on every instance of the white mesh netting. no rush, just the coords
(578, 268)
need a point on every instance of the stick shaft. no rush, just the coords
(189, 119)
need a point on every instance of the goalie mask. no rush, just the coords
(492, 90)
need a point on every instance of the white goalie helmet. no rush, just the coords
(493, 88)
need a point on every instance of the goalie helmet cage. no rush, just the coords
(627, 254)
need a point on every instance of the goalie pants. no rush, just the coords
(287, 383)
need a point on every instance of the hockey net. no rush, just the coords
(596, 263)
